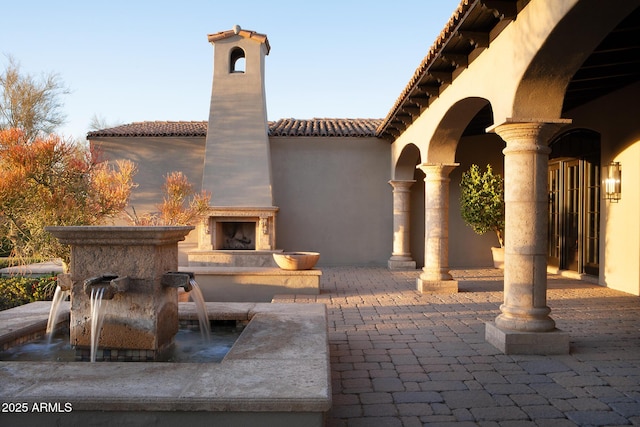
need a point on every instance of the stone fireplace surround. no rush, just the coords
(236, 236)
(249, 228)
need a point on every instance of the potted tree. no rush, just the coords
(482, 205)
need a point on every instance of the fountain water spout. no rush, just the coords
(178, 279)
(64, 281)
(111, 283)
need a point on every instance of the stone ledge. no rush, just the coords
(253, 284)
(256, 271)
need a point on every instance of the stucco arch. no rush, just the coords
(405, 166)
(540, 93)
(442, 147)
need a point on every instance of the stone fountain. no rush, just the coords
(276, 373)
(136, 267)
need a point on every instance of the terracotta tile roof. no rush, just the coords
(324, 127)
(236, 30)
(282, 127)
(142, 129)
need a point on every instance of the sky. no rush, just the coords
(131, 61)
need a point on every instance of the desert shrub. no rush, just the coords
(19, 290)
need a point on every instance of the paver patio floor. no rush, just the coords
(401, 358)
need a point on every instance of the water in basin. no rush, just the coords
(188, 347)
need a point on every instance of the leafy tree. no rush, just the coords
(51, 181)
(30, 104)
(482, 201)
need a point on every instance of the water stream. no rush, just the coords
(97, 319)
(58, 296)
(201, 309)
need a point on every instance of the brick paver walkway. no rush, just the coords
(400, 358)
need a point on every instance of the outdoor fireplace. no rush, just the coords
(239, 228)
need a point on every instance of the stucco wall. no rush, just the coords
(615, 118)
(155, 158)
(332, 193)
(334, 198)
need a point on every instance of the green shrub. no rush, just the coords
(482, 201)
(19, 290)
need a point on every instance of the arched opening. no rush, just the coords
(574, 201)
(237, 61)
(407, 162)
(406, 169)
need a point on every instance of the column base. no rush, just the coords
(437, 286)
(516, 342)
(396, 264)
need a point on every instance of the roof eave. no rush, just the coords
(427, 82)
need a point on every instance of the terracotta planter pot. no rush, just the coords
(498, 257)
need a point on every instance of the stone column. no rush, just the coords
(435, 277)
(401, 256)
(524, 325)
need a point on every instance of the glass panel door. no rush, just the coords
(571, 232)
(555, 201)
(591, 225)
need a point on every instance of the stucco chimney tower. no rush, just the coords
(237, 164)
(237, 168)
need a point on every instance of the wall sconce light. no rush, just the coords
(613, 182)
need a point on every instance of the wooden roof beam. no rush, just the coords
(503, 9)
(442, 76)
(475, 38)
(429, 88)
(413, 111)
(420, 100)
(456, 59)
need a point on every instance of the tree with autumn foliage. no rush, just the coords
(53, 181)
(181, 205)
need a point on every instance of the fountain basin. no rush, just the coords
(277, 373)
(296, 260)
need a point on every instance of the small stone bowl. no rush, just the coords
(296, 260)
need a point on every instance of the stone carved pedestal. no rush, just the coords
(435, 277)
(401, 256)
(145, 316)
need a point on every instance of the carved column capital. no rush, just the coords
(437, 171)
(528, 135)
(402, 185)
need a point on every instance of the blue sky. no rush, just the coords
(127, 61)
